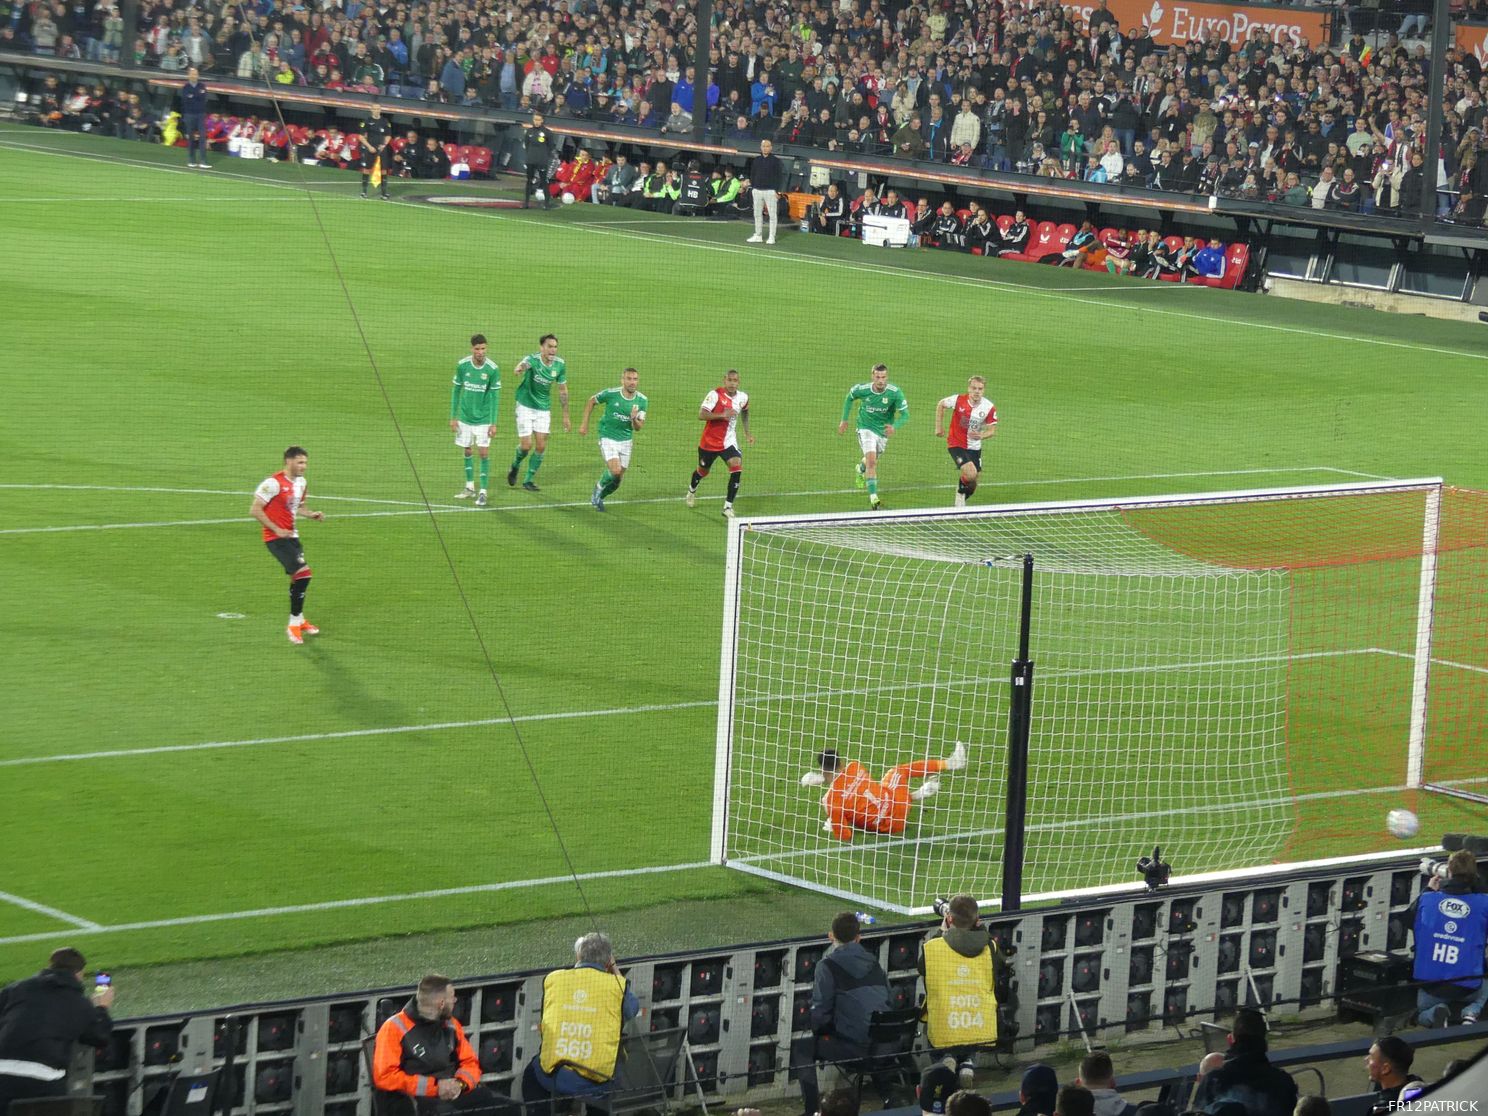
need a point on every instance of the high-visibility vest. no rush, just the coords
(960, 1001)
(581, 1021)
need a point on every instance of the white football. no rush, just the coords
(538, 196)
(568, 199)
(1402, 823)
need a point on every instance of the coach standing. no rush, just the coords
(539, 153)
(765, 178)
(40, 1019)
(194, 118)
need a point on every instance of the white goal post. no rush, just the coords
(1199, 659)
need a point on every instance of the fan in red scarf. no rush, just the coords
(972, 419)
(723, 411)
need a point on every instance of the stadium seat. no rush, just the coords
(1004, 222)
(396, 144)
(1040, 244)
(1063, 235)
(963, 215)
(1237, 259)
(1105, 235)
(480, 160)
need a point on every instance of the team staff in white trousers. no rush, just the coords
(765, 179)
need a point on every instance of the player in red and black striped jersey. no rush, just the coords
(723, 412)
(973, 417)
(277, 505)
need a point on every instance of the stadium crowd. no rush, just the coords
(1013, 85)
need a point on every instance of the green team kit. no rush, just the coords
(534, 394)
(615, 422)
(475, 400)
(879, 409)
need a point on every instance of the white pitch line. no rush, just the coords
(960, 281)
(581, 714)
(538, 506)
(1083, 823)
(547, 881)
(363, 901)
(50, 912)
(158, 201)
(216, 492)
(1435, 662)
(823, 261)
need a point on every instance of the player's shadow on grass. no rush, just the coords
(353, 699)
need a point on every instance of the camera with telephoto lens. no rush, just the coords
(1432, 868)
(941, 906)
(1154, 870)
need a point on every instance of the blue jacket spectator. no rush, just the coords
(452, 79)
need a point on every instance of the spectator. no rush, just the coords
(41, 1017)
(1038, 1092)
(967, 1103)
(592, 997)
(433, 162)
(1449, 922)
(1347, 193)
(422, 1053)
(1074, 1100)
(1014, 239)
(937, 1085)
(967, 127)
(908, 142)
(1098, 1075)
(616, 183)
(194, 118)
(831, 215)
(946, 232)
(849, 986)
(766, 177)
(1209, 261)
(1112, 162)
(1247, 1077)
(679, 122)
(1388, 1064)
(1295, 193)
(1325, 193)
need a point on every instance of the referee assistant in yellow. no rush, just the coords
(584, 1011)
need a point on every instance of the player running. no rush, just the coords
(277, 504)
(881, 407)
(536, 375)
(723, 411)
(856, 801)
(624, 414)
(473, 404)
(973, 418)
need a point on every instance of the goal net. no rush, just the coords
(1222, 675)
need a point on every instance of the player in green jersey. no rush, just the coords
(473, 404)
(624, 413)
(536, 375)
(881, 407)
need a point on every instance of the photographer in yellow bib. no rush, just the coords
(584, 1011)
(960, 964)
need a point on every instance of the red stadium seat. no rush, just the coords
(1106, 234)
(1064, 234)
(1040, 244)
(1237, 256)
(1004, 223)
(480, 161)
(396, 144)
(964, 215)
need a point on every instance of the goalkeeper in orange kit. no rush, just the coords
(857, 801)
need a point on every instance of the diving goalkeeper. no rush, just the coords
(857, 801)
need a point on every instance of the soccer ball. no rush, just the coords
(539, 196)
(568, 199)
(1402, 823)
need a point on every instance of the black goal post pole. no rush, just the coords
(1017, 768)
(702, 52)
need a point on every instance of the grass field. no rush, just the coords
(183, 784)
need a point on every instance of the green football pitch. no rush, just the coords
(181, 783)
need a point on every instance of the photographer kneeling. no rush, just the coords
(1450, 922)
(960, 964)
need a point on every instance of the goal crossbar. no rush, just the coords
(758, 728)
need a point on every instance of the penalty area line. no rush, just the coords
(84, 927)
(552, 505)
(50, 912)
